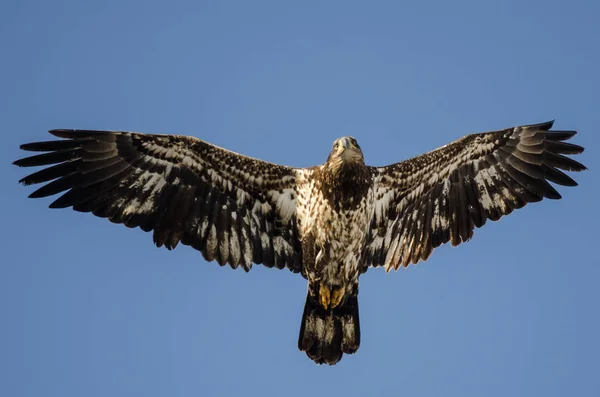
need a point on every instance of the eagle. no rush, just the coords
(329, 222)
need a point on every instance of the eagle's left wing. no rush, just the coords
(443, 195)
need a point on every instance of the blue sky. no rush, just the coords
(89, 308)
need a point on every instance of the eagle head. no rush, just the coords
(345, 151)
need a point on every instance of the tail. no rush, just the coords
(325, 334)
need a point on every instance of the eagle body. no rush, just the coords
(336, 206)
(337, 210)
(330, 223)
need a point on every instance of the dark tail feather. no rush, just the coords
(326, 334)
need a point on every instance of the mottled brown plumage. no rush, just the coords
(329, 222)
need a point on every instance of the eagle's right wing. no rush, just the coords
(232, 208)
(441, 196)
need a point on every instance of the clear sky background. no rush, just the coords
(89, 308)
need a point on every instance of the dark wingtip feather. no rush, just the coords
(21, 162)
(50, 173)
(58, 203)
(563, 162)
(548, 191)
(49, 146)
(81, 134)
(546, 125)
(62, 133)
(562, 147)
(558, 135)
(557, 176)
(54, 187)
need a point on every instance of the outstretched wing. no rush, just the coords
(442, 195)
(232, 208)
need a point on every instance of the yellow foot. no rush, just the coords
(336, 296)
(324, 295)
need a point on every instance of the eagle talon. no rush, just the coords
(336, 296)
(324, 295)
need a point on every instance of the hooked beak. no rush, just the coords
(344, 144)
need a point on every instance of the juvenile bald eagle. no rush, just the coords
(329, 223)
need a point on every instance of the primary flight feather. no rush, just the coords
(329, 222)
